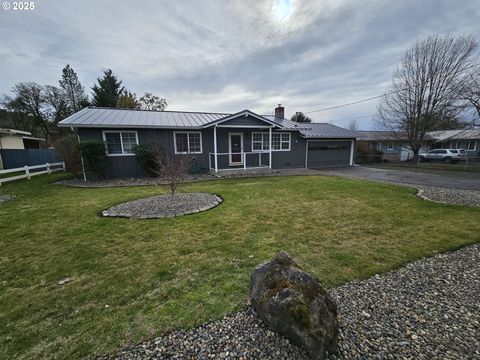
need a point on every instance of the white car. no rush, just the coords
(445, 155)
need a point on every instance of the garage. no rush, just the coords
(323, 153)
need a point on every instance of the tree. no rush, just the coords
(108, 90)
(471, 90)
(29, 100)
(128, 100)
(172, 168)
(56, 102)
(152, 102)
(353, 125)
(300, 117)
(426, 87)
(74, 91)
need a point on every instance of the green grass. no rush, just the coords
(159, 275)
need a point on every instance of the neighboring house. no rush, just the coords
(393, 145)
(468, 139)
(219, 141)
(12, 142)
(17, 139)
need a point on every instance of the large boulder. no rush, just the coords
(293, 303)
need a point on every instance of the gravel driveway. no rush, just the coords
(429, 309)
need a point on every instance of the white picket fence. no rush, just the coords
(49, 168)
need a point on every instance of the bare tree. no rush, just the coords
(353, 125)
(426, 88)
(472, 89)
(172, 168)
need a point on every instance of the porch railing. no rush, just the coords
(247, 160)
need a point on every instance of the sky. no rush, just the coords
(226, 56)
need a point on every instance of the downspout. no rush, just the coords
(81, 157)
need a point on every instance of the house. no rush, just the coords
(394, 146)
(218, 141)
(18, 139)
(468, 139)
(14, 143)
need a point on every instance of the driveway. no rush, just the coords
(438, 178)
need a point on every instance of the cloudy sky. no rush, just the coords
(230, 55)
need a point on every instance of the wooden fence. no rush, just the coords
(30, 171)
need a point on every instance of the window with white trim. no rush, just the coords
(280, 141)
(120, 142)
(188, 142)
(390, 146)
(259, 141)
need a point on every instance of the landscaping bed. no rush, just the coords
(425, 310)
(164, 206)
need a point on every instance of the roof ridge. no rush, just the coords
(158, 111)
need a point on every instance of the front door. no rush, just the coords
(235, 142)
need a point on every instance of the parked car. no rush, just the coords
(445, 155)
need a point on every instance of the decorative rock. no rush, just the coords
(64, 281)
(4, 198)
(164, 206)
(293, 303)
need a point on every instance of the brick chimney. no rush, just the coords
(279, 112)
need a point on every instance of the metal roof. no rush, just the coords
(129, 118)
(467, 134)
(324, 130)
(14, 132)
(94, 117)
(381, 136)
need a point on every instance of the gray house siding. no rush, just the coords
(124, 166)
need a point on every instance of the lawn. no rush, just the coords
(134, 279)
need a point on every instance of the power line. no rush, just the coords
(371, 98)
(353, 102)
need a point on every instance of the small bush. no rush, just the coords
(67, 147)
(146, 156)
(94, 158)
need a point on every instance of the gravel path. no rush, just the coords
(429, 309)
(164, 206)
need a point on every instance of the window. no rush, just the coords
(120, 142)
(390, 146)
(472, 145)
(259, 141)
(280, 141)
(188, 142)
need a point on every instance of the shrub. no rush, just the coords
(146, 156)
(68, 149)
(94, 158)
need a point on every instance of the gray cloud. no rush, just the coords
(227, 56)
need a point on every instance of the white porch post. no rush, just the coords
(352, 147)
(270, 147)
(215, 147)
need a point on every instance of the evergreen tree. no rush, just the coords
(108, 90)
(74, 91)
(301, 117)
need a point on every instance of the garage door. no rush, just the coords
(323, 153)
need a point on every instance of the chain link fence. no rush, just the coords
(393, 160)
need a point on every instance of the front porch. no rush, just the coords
(240, 144)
